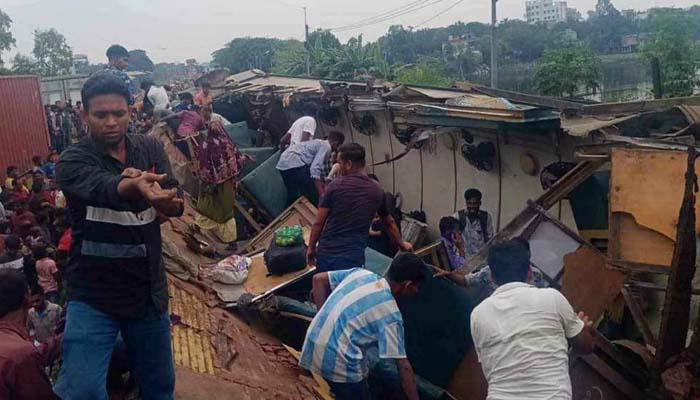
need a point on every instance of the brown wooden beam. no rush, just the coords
(659, 288)
(675, 318)
(638, 267)
(638, 316)
(612, 376)
(247, 216)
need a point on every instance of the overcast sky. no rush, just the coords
(174, 30)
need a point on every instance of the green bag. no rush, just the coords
(287, 236)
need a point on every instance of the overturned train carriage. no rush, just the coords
(429, 144)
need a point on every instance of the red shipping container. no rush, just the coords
(23, 129)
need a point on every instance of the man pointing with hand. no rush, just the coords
(118, 188)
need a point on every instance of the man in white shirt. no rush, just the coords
(522, 333)
(302, 129)
(157, 96)
(303, 166)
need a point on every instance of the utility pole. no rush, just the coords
(494, 47)
(306, 44)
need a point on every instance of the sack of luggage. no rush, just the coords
(289, 236)
(281, 260)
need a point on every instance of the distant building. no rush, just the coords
(547, 11)
(572, 14)
(629, 13)
(80, 62)
(631, 43)
(634, 14)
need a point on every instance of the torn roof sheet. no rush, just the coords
(582, 126)
(417, 105)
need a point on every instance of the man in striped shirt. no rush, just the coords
(119, 187)
(357, 311)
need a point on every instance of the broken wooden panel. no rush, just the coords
(638, 243)
(213, 348)
(646, 191)
(588, 284)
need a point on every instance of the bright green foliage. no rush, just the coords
(565, 71)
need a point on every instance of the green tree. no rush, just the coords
(6, 38)
(242, 54)
(562, 72)
(52, 53)
(291, 59)
(24, 65)
(428, 71)
(323, 38)
(399, 44)
(139, 61)
(522, 41)
(671, 43)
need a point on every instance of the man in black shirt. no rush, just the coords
(118, 189)
(339, 234)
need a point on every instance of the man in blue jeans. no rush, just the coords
(118, 188)
(346, 210)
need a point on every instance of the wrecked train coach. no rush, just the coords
(570, 178)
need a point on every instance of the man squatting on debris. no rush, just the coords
(356, 311)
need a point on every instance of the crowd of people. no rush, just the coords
(89, 221)
(35, 235)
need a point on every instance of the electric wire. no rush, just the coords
(387, 18)
(382, 15)
(455, 4)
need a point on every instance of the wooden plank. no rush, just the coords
(613, 377)
(648, 285)
(625, 361)
(638, 316)
(532, 227)
(258, 281)
(639, 267)
(247, 216)
(675, 318)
